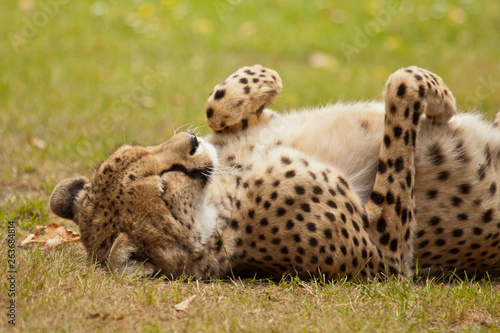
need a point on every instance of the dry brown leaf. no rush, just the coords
(51, 235)
(183, 306)
(37, 142)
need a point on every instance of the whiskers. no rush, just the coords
(196, 130)
(214, 173)
(182, 128)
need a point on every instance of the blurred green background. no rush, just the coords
(78, 78)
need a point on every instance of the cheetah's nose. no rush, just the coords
(194, 143)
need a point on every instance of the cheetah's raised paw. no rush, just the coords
(240, 100)
(438, 102)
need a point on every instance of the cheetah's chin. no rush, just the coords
(208, 149)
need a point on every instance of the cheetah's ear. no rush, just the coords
(67, 196)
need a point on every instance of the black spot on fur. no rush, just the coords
(397, 131)
(259, 110)
(234, 224)
(416, 113)
(456, 201)
(487, 216)
(387, 141)
(443, 175)
(493, 189)
(317, 190)
(377, 198)
(394, 245)
(210, 112)
(244, 124)
(404, 216)
(401, 90)
(397, 207)
(345, 233)
(349, 207)
(399, 164)
(328, 234)
(407, 137)
(305, 207)
(435, 155)
(382, 168)
(434, 220)
(381, 225)
(431, 194)
(220, 94)
(299, 189)
(421, 91)
(384, 240)
(440, 242)
(281, 211)
(464, 188)
(408, 178)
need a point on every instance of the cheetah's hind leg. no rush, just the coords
(408, 94)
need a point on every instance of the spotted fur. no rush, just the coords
(358, 190)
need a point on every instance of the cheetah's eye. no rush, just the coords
(164, 172)
(162, 185)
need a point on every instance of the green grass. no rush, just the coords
(58, 290)
(92, 75)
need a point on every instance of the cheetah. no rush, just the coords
(356, 190)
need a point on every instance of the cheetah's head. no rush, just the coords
(138, 210)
